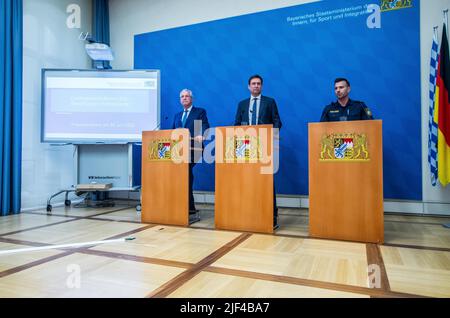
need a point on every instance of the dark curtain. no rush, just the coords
(100, 24)
(11, 30)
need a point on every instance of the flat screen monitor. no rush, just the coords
(99, 106)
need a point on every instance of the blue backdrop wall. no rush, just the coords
(299, 51)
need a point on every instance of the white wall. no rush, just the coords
(48, 43)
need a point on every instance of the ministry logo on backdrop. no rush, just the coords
(344, 147)
(388, 5)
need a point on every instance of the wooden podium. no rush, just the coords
(346, 181)
(244, 178)
(165, 177)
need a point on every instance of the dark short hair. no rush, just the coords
(255, 76)
(341, 79)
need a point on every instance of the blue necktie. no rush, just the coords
(183, 119)
(253, 121)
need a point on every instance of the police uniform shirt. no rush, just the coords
(354, 110)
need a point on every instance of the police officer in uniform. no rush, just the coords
(344, 108)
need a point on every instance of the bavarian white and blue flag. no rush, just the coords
(433, 119)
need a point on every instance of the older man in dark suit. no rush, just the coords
(259, 110)
(186, 119)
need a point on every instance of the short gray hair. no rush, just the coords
(187, 91)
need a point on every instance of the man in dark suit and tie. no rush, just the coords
(259, 110)
(194, 119)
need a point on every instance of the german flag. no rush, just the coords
(443, 111)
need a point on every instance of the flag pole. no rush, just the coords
(445, 21)
(445, 12)
(432, 124)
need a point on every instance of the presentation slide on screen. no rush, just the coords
(99, 108)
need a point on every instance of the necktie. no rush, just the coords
(183, 119)
(253, 121)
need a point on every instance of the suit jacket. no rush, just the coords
(268, 112)
(195, 114)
